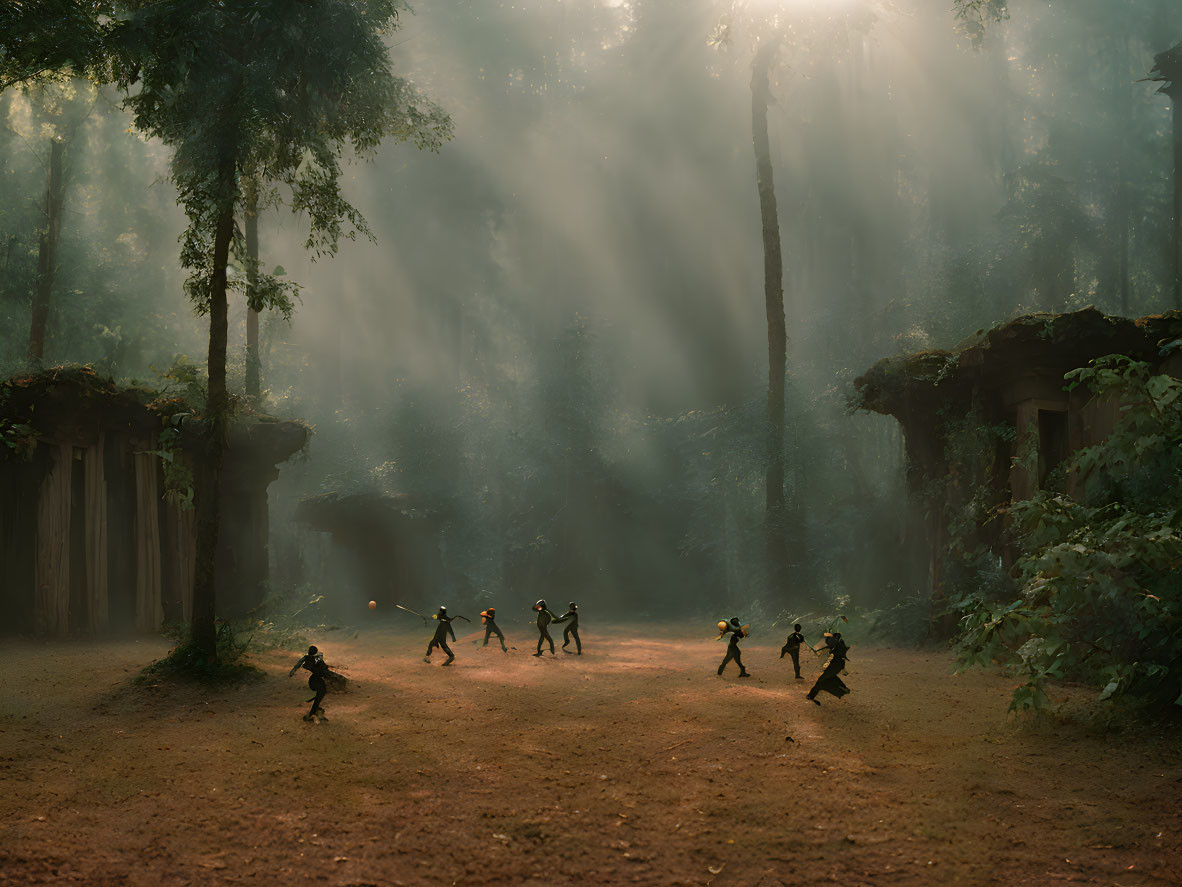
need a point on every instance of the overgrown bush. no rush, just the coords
(855, 624)
(1099, 580)
(284, 618)
(186, 662)
(907, 623)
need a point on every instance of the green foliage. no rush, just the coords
(116, 301)
(183, 386)
(42, 39)
(975, 16)
(182, 394)
(907, 623)
(178, 474)
(18, 438)
(284, 618)
(269, 91)
(269, 290)
(856, 624)
(1100, 580)
(1140, 462)
(187, 662)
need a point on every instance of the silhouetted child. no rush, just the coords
(489, 618)
(792, 648)
(442, 630)
(736, 631)
(545, 617)
(571, 616)
(830, 680)
(313, 661)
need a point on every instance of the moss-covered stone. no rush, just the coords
(1050, 344)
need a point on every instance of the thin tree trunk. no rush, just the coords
(208, 493)
(251, 230)
(1167, 69)
(777, 337)
(49, 237)
(182, 539)
(1175, 94)
(1123, 233)
(1123, 283)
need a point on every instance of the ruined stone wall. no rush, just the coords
(89, 542)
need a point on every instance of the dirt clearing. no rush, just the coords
(633, 763)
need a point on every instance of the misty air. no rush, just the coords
(559, 442)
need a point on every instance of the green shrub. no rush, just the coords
(908, 623)
(185, 662)
(284, 618)
(1099, 580)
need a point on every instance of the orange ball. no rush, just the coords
(373, 605)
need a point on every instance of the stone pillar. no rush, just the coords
(149, 610)
(243, 543)
(96, 537)
(1024, 465)
(52, 572)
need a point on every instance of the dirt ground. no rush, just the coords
(633, 763)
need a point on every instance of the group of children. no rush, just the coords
(489, 619)
(313, 660)
(830, 680)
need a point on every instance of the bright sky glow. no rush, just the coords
(803, 6)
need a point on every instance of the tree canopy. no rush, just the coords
(273, 92)
(48, 38)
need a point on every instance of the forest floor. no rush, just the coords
(633, 763)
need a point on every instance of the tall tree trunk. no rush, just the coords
(1175, 94)
(1123, 284)
(1123, 232)
(777, 337)
(208, 493)
(251, 229)
(49, 237)
(1167, 69)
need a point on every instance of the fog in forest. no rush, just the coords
(554, 350)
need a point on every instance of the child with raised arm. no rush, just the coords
(442, 630)
(314, 662)
(830, 680)
(736, 631)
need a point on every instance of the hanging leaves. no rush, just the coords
(1100, 578)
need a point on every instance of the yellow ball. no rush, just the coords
(373, 605)
(722, 626)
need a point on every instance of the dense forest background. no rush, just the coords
(557, 343)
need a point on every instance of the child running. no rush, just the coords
(545, 617)
(314, 662)
(489, 618)
(571, 616)
(736, 631)
(792, 648)
(830, 680)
